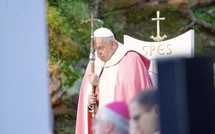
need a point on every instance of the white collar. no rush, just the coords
(117, 56)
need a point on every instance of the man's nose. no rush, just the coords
(99, 52)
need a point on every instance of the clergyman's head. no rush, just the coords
(144, 112)
(112, 118)
(104, 43)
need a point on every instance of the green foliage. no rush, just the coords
(65, 124)
(207, 14)
(75, 11)
(69, 41)
(68, 75)
(107, 18)
(205, 40)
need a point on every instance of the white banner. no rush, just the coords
(181, 46)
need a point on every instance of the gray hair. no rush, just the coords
(121, 124)
(109, 39)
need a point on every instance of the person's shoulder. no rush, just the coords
(133, 54)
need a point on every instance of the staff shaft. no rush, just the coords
(92, 56)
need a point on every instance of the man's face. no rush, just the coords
(104, 49)
(141, 120)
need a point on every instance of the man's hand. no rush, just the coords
(92, 99)
(93, 79)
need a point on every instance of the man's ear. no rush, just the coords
(109, 127)
(113, 44)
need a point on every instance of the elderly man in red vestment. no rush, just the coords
(119, 74)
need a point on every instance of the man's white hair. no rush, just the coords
(121, 124)
(109, 39)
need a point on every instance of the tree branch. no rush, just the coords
(199, 5)
(195, 20)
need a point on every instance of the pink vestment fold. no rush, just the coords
(132, 76)
(80, 112)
